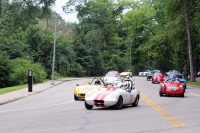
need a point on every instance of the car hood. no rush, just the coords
(125, 73)
(111, 79)
(85, 89)
(101, 94)
(172, 84)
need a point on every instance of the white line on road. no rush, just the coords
(36, 107)
(194, 94)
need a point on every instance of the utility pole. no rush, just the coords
(54, 55)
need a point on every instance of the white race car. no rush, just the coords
(114, 96)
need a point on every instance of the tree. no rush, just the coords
(179, 10)
(46, 5)
(5, 68)
(139, 23)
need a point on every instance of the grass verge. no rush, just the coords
(194, 83)
(13, 88)
(19, 87)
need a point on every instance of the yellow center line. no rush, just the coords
(170, 118)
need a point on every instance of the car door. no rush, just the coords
(128, 97)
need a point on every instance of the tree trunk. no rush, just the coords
(192, 77)
(46, 15)
(0, 7)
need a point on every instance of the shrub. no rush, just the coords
(5, 69)
(20, 69)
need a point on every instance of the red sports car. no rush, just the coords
(172, 88)
(158, 77)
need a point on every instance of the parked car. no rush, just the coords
(198, 73)
(140, 74)
(143, 73)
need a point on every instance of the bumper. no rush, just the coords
(101, 103)
(176, 92)
(80, 96)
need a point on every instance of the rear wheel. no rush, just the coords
(87, 106)
(135, 104)
(119, 103)
(160, 93)
(75, 97)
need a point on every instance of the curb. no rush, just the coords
(193, 86)
(33, 93)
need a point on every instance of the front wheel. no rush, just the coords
(87, 106)
(75, 97)
(135, 104)
(160, 93)
(182, 95)
(119, 103)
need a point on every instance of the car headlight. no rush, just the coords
(162, 86)
(181, 87)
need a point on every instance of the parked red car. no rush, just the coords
(158, 77)
(172, 88)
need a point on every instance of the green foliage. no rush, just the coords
(154, 31)
(14, 46)
(20, 69)
(5, 70)
(75, 69)
(40, 46)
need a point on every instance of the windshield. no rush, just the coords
(158, 74)
(111, 75)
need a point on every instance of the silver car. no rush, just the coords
(110, 78)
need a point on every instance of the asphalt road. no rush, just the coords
(55, 111)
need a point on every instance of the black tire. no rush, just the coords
(152, 82)
(119, 103)
(182, 95)
(75, 97)
(135, 104)
(87, 106)
(160, 93)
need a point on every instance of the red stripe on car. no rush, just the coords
(103, 96)
(113, 89)
(97, 97)
(108, 89)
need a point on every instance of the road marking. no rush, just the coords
(194, 94)
(37, 107)
(170, 118)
